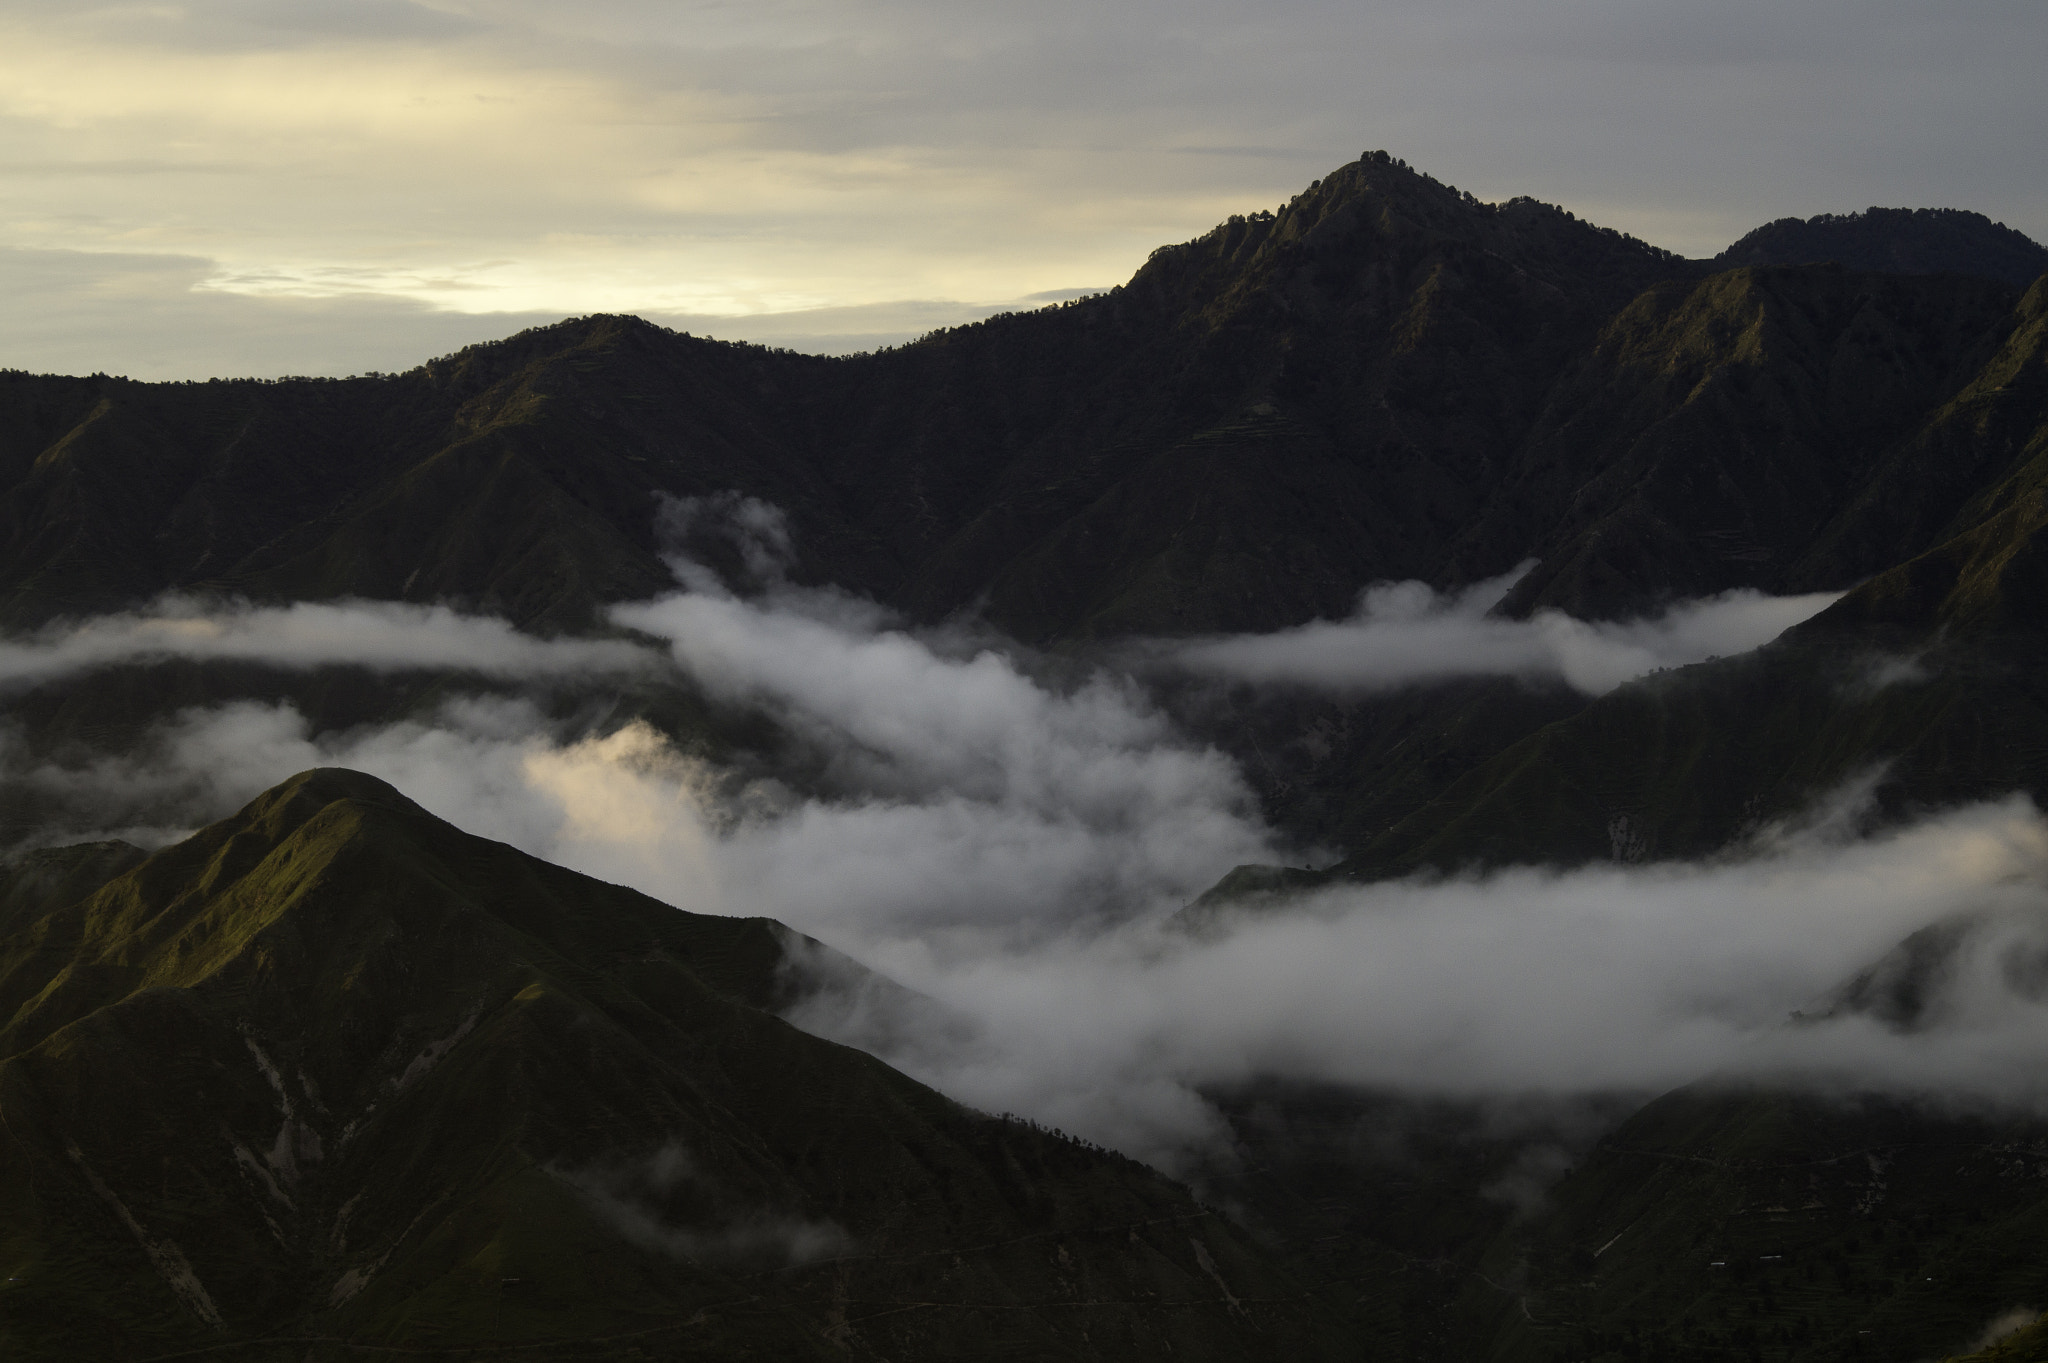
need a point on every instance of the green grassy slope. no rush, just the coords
(335, 1075)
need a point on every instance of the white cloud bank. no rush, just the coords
(1012, 849)
(1405, 633)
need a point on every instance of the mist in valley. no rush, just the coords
(1012, 839)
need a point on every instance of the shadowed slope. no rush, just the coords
(37, 882)
(1723, 1222)
(336, 1072)
(1930, 672)
(1719, 428)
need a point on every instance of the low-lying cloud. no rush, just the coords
(383, 636)
(1014, 848)
(1406, 633)
(1522, 982)
(1057, 987)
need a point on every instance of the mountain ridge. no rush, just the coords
(375, 1071)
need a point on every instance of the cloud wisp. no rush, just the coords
(383, 636)
(1406, 633)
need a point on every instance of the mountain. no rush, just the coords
(1927, 671)
(1383, 379)
(1718, 433)
(332, 1075)
(1897, 241)
(1097, 468)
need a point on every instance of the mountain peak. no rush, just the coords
(1896, 241)
(461, 1057)
(317, 787)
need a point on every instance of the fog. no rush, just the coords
(1404, 633)
(1013, 844)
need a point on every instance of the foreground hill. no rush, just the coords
(332, 1075)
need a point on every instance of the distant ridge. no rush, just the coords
(1896, 241)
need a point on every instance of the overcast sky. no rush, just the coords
(329, 186)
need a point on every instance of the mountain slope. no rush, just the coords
(1729, 1223)
(333, 1074)
(1718, 428)
(40, 881)
(1928, 673)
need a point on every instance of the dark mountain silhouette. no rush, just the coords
(1896, 241)
(1384, 379)
(1258, 423)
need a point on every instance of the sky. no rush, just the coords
(340, 186)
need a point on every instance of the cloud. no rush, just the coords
(1405, 633)
(380, 635)
(664, 1202)
(154, 317)
(1051, 985)
(1010, 842)
(189, 317)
